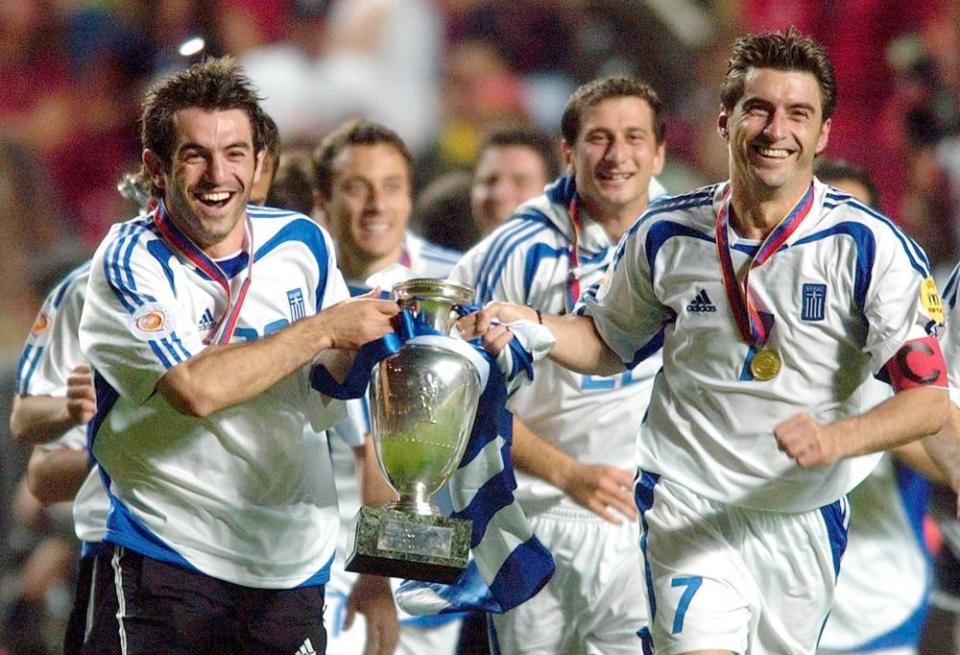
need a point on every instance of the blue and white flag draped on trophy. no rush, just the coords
(509, 564)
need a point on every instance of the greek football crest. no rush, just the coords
(297, 308)
(814, 299)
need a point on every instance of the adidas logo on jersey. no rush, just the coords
(206, 321)
(306, 648)
(701, 303)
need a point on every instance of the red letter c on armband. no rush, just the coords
(918, 363)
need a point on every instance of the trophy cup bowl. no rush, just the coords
(423, 400)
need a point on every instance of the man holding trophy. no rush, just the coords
(223, 516)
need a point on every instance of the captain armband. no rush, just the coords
(918, 363)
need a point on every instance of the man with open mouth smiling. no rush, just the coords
(203, 320)
(773, 298)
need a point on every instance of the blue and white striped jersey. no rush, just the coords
(243, 495)
(52, 351)
(527, 261)
(845, 292)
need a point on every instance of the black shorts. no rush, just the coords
(162, 608)
(94, 586)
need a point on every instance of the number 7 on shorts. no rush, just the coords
(692, 583)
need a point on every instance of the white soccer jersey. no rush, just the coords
(881, 595)
(242, 495)
(527, 261)
(950, 339)
(52, 350)
(846, 290)
(426, 259)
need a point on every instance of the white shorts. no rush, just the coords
(728, 578)
(594, 603)
(418, 635)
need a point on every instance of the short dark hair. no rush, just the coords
(271, 139)
(831, 170)
(594, 92)
(356, 132)
(292, 186)
(787, 52)
(214, 84)
(518, 135)
(442, 212)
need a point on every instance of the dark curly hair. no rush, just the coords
(213, 84)
(787, 52)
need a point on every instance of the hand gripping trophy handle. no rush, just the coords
(423, 400)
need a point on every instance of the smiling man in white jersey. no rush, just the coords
(223, 515)
(575, 435)
(773, 301)
(364, 182)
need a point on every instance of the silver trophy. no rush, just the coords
(423, 400)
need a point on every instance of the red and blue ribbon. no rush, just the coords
(222, 332)
(750, 323)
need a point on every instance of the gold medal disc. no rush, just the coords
(765, 365)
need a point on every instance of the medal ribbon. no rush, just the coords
(573, 284)
(176, 239)
(749, 322)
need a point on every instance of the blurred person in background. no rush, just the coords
(478, 89)
(34, 253)
(442, 213)
(271, 160)
(880, 603)
(346, 58)
(515, 164)
(292, 186)
(66, 78)
(54, 402)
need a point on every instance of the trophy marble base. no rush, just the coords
(398, 544)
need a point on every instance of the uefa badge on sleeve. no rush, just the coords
(152, 321)
(930, 299)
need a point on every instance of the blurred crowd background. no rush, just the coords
(441, 73)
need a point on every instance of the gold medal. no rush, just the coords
(765, 365)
